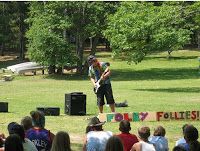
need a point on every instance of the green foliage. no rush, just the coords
(137, 29)
(45, 36)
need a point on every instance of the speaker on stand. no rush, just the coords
(75, 103)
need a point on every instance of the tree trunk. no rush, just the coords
(21, 30)
(79, 51)
(198, 39)
(2, 49)
(169, 54)
(51, 69)
(94, 45)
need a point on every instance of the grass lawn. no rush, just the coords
(155, 84)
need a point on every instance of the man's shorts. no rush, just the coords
(105, 90)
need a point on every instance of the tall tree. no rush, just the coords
(64, 21)
(139, 28)
(45, 36)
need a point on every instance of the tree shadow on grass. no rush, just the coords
(73, 77)
(155, 74)
(171, 58)
(173, 90)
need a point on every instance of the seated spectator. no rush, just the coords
(191, 136)
(61, 142)
(158, 139)
(26, 122)
(13, 143)
(2, 140)
(143, 144)
(41, 137)
(127, 139)
(14, 128)
(114, 143)
(96, 138)
(181, 141)
(178, 148)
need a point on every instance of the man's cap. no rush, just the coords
(95, 122)
(91, 58)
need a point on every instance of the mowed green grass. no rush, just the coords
(155, 84)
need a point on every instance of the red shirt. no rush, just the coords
(128, 140)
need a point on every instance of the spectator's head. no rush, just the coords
(124, 126)
(144, 133)
(26, 122)
(95, 124)
(191, 134)
(10, 125)
(179, 148)
(38, 119)
(15, 128)
(13, 143)
(183, 127)
(61, 142)
(114, 143)
(159, 131)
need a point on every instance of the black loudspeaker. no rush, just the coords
(3, 106)
(49, 111)
(75, 103)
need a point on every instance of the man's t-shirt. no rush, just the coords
(96, 72)
(128, 140)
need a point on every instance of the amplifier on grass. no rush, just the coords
(3, 106)
(75, 103)
(49, 111)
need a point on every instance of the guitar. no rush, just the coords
(99, 82)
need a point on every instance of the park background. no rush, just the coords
(153, 49)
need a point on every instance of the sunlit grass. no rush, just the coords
(155, 84)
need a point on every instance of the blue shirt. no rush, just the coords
(160, 143)
(40, 137)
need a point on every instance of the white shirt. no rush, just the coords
(146, 146)
(96, 140)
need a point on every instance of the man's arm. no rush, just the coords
(92, 80)
(106, 73)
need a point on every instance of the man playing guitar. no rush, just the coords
(99, 74)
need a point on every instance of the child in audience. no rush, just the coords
(96, 138)
(13, 143)
(182, 141)
(158, 139)
(26, 122)
(143, 144)
(114, 143)
(2, 140)
(41, 137)
(15, 128)
(127, 139)
(191, 136)
(61, 142)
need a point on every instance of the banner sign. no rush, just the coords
(150, 116)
